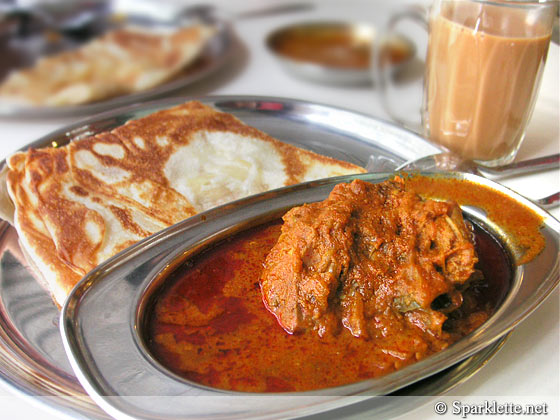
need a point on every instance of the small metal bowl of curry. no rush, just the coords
(137, 302)
(335, 52)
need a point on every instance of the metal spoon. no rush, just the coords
(451, 162)
(549, 202)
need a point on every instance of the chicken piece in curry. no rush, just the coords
(375, 259)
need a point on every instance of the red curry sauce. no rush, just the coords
(210, 326)
(335, 46)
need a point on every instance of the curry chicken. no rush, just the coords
(373, 258)
(370, 280)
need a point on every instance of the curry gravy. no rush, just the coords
(209, 324)
(333, 45)
(520, 223)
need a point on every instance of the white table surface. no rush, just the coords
(526, 370)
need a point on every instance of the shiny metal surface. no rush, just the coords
(549, 202)
(449, 161)
(32, 358)
(106, 311)
(23, 50)
(361, 34)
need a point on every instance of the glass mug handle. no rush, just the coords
(383, 74)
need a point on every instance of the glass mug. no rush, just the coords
(484, 64)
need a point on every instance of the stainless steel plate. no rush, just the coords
(32, 358)
(101, 321)
(23, 51)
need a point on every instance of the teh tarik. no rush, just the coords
(483, 69)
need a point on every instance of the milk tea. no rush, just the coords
(483, 69)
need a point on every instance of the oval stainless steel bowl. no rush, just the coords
(101, 322)
(334, 52)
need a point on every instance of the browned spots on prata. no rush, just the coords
(15, 161)
(125, 219)
(60, 162)
(69, 218)
(44, 245)
(76, 189)
(124, 245)
(103, 139)
(46, 162)
(293, 166)
(65, 217)
(178, 125)
(521, 223)
(85, 177)
(328, 160)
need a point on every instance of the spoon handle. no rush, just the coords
(543, 163)
(549, 202)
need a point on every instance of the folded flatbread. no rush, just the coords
(77, 205)
(122, 61)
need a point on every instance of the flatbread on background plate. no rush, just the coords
(120, 62)
(77, 205)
